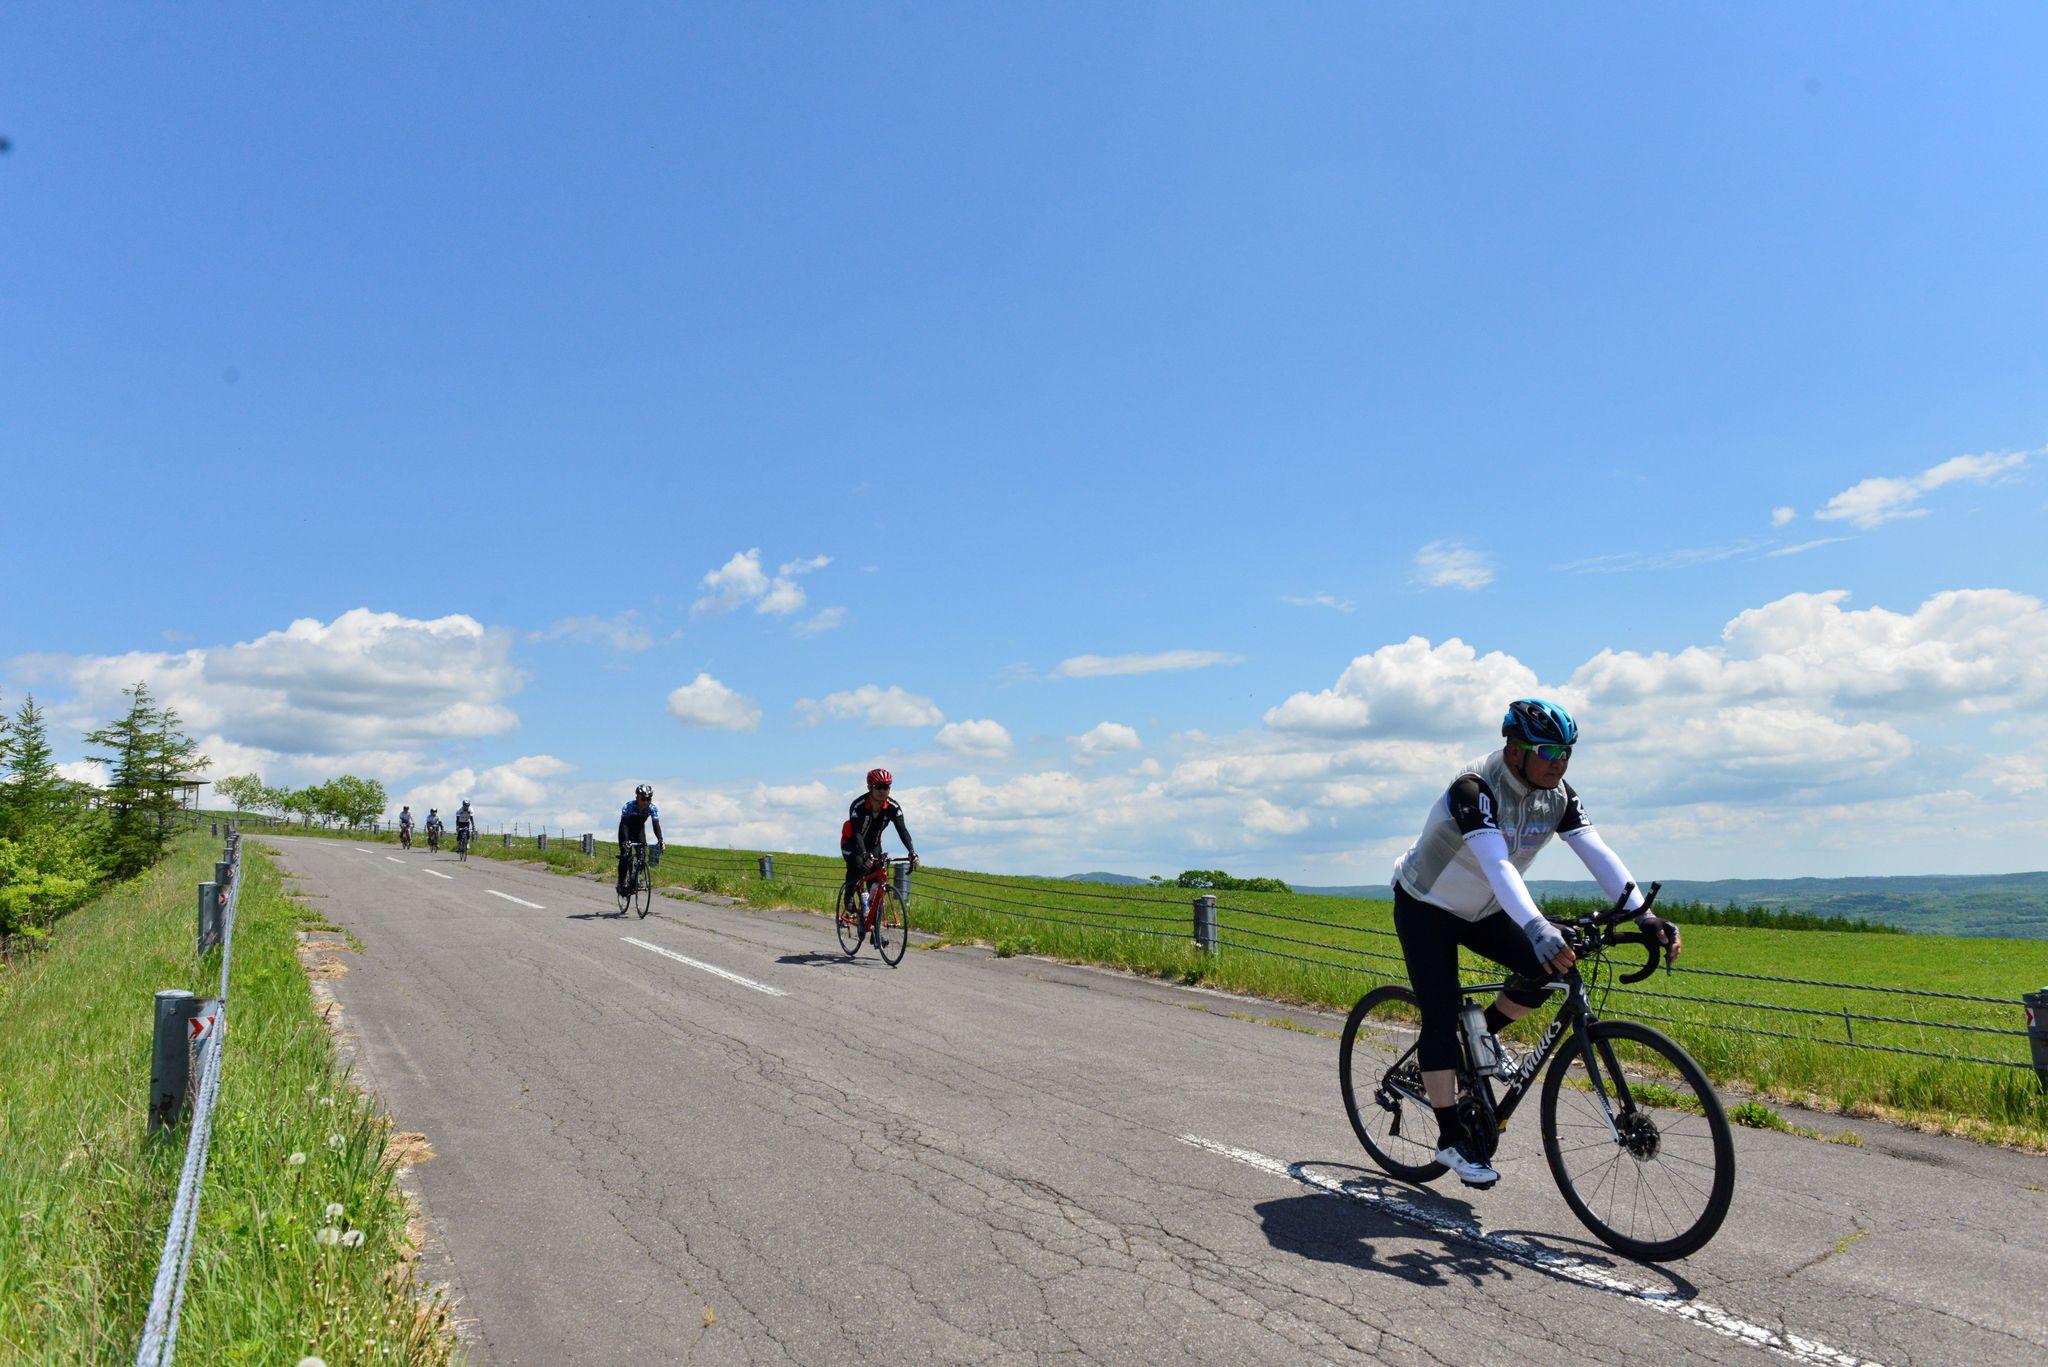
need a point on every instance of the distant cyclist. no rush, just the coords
(860, 839)
(434, 828)
(465, 824)
(634, 819)
(1461, 884)
(405, 826)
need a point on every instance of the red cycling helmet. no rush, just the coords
(879, 778)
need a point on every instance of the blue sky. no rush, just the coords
(1057, 332)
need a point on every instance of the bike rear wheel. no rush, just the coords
(1382, 1081)
(847, 922)
(626, 893)
(1639, 1145)
(892, 928)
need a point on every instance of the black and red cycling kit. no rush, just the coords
(860, 839)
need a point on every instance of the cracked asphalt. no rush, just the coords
(970, 1159)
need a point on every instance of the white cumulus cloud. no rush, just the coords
(1410, 689)
(707, 703)
(741, 580)
(975, 740)
(872, 706)
(1104, 738)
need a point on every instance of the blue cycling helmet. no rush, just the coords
(1533, 721)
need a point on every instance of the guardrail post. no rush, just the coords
(209, 915)
(589, 844)
(214, 827)
(1205, 922)
(170, 1057)
(541, 842)
(505, 839)
(2036, 1004)
(903, 881)
(767, 868)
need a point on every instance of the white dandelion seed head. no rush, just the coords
(329, 1235)
(297, 1160)
(334, 1209)
(326, 1101)
(353, 1239)
(335, 1141)
(312, 1362)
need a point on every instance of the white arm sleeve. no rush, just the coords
(1604, 864)
(1490, 847)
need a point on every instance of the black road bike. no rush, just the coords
(1632, 1129)
(463, 837)
(638, 893)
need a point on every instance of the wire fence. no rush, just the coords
(1373, 952)
(167, 1299)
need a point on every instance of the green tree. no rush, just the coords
(148, 758)
(246, 791)
(1216, 880)
(354, 800)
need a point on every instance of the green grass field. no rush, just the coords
(85, 1197)
(1327, 951)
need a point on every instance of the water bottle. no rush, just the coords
(1481, 1048)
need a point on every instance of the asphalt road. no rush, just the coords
(706, 1137)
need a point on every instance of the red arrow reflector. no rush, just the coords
(202, 1026)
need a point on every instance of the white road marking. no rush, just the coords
(394, 859)
(360, 850)
(438, 874)
(520, 900)
(708, 968)
(1544, 1260)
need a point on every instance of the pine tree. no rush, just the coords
(147, 757)
(33, 789)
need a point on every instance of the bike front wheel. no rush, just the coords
(848, 925)
(644, 893)
(1381, 1076)
(892, 928)
(1638, 1142)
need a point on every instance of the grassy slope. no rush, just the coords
(1147, 930)
(85, 1198)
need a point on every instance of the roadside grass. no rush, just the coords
(1268, 942)
(301, 1246)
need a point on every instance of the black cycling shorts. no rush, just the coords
(1430, 937)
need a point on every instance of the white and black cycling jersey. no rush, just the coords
(1487, 800)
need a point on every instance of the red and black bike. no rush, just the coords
(874, 909)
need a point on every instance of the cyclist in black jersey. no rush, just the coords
(634, 819)
(870, 816)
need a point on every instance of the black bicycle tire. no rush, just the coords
(892, 902)
(1720, 1195)
(1365, 1006)
(644, 892)
(843, 921)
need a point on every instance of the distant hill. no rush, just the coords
(1123, 880)
(2011, 904)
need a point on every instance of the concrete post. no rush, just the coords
(589, 844)
(170, 1057)
(1205, 922)
(2036, 1004)
(767, 868)
(903, 881)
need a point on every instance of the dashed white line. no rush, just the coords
(728, 975)
(438, 874)
(360, 850)
(520, 900)
(1544, 1260)
(394, 859)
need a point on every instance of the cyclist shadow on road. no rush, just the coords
(1395, 1217)
(814, 960)
(608, 914)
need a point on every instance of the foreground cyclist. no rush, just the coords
(465, 824)
(860, 839)
(634, 819)
(1461, 884)
(405, 825)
